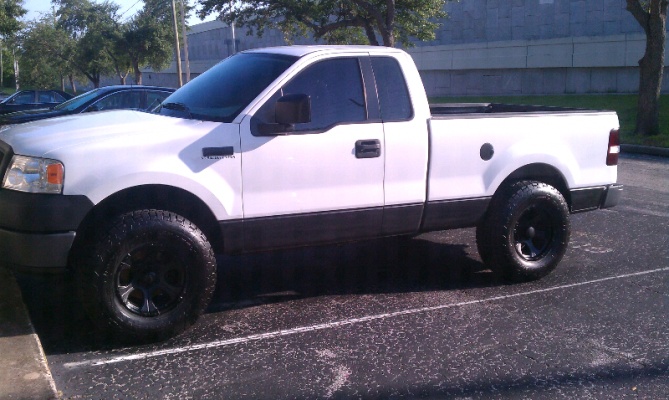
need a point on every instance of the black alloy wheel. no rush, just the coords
(525, 232)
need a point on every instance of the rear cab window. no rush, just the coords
(394, 99)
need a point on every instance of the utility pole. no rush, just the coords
(234, 39)
(185, 37)
(16, 70)
(176, 43)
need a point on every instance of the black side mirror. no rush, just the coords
(293, 109)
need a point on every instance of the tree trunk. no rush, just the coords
(651, 66)
(371, 34)
(73, 85)
(138, 73)
(389, 31)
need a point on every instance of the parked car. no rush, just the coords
(116, 97)
(31, 99)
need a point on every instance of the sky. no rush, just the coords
(128, 8)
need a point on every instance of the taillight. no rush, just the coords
(614, 147)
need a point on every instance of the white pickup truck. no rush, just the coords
(282, 147)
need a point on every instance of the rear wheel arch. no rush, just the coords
(537, 172)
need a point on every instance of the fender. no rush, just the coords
(525, 153)
(224, 202)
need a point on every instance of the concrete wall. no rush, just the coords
(601, 64)
(473, 21)
(491, 47)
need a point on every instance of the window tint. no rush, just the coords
(45, 97)
(79, 101)
(392, 90)
(224, 90)
(154, 98)
(120, 100)
(335, 88)
(57, 97)
(24, 97)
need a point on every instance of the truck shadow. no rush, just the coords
(390, 265)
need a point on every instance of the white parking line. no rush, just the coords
(335, 324)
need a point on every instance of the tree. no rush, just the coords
(118, 53)
(147, 41)
(652, 16)
(42, 63)
(48, 54)
(10, 13)
(93, 27)
(335, 21)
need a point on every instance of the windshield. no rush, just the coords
(76, 102)
(8, 99)
(223, 91)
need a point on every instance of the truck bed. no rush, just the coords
(444, 109)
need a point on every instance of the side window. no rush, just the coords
(392, 90)
(119, 100)
(26, 97)
(45, 97)
(58, 98)
(154, 98)
(335, 89)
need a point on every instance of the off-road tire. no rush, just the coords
(525, 232)
(148, 278)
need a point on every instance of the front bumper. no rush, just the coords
(38, 230)
(36, 250)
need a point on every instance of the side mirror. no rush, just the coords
(293, 109)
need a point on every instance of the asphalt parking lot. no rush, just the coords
(417, 318)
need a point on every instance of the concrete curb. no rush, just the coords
(646, 150)
(25, 373)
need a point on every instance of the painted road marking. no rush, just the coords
(337, 324)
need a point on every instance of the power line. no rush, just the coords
(129, 8)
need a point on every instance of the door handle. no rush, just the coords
(368, 148)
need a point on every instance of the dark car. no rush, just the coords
(31, 99)
(142, 98)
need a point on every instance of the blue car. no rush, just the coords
(31, 99)
(135, 97)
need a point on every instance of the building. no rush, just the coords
(492, 47)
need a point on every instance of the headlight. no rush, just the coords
(34, 175)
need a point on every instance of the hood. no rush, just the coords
(30, 115)
(39, 138)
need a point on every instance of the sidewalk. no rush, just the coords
(24, 373)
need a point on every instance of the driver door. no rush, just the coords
(320, 181)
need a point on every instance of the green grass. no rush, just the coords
(624, 105)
